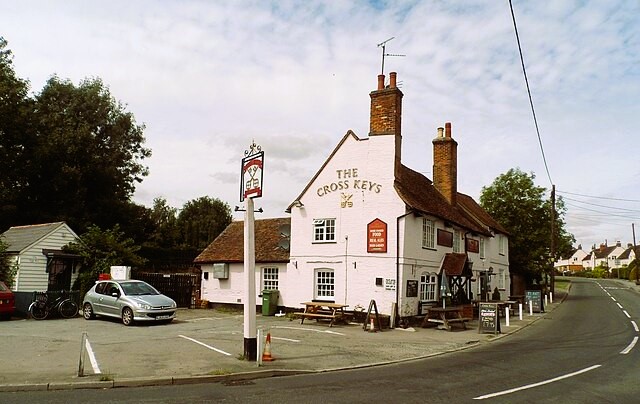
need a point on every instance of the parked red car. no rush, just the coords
(7, 302)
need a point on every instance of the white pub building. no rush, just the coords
(366, 227)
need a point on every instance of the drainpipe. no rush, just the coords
(346, 266)
(398, 261)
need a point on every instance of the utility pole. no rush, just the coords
(635, 251)
(553, 237)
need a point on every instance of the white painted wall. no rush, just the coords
(230, 290)
(355, 187)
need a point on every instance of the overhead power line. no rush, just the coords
(526, 80)
(602, 206)
(600, 197)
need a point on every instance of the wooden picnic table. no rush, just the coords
(322, 311)
(446, 316)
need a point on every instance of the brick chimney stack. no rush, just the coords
(445, 164)
(386, 113)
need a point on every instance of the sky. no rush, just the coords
(208, 78)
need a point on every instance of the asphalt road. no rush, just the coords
(581, 352)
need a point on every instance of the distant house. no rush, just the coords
(573, 263)
(605, 256)
(37, 251)
(629, 255)
(222, 262)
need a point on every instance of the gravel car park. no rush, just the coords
(129, 300)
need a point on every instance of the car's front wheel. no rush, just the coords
(127, 316)
(87, 312)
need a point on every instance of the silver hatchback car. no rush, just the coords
(130, 300)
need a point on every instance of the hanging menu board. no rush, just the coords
(535, 297)
(488, 318)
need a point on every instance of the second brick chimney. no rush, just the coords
(445, 164)
(386, 113)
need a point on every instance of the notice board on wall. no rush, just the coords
(412, 288)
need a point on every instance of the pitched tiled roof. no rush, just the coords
(604, 252)
(20, 237)
(418, 192)
(229, 245)
(471, 207)
(627, 252)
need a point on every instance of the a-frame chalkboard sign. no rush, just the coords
(488, 318)
(535, 297)
(367, 320)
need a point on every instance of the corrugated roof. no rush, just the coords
(229, 245)
(20, 237)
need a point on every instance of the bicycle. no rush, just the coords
(41, 308)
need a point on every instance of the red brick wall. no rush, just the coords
(445, 165)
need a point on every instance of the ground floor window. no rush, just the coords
(270, 278)
(428, 282)
(324, 284)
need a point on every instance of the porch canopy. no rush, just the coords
(458, 274)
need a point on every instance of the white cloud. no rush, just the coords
(208, 78)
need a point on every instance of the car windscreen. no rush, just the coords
(138, 289)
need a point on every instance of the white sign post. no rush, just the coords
(250, 187)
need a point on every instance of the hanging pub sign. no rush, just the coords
(377, 237)
(252, 170)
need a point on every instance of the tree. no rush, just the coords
(14, 136)
(7, 269)
(165, 222)
(99, 250)
(201, 220)
(87, 157)
(519, 205)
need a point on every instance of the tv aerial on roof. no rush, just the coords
(383, 45)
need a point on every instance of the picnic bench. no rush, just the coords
(322, 311)
(447, 316)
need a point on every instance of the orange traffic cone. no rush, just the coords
(372, 327)
(266, 354)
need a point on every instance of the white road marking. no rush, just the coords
(202, 319)
(613, 298)
(205, 345)
(309, 329)
(619, 305)
(286, 339)
(626, 314)
(635, 326)
(529, 386)
(92, 357)
(630, 347)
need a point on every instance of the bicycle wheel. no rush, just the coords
(38, 311)
(68, 308)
